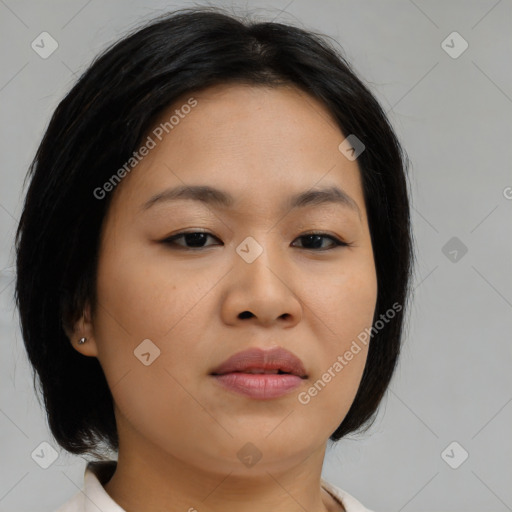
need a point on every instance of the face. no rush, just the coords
(249, 273)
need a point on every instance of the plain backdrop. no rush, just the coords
(452, 395)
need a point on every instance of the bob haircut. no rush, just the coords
(100, 123)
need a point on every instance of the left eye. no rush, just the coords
(316, 239)
(197, 238)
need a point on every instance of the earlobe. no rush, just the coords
(82, 338)
(85, 346)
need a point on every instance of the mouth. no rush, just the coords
(259, 386)
(276, 361)
(261, 374)
(258, 371)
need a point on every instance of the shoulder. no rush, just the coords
(93, 497)
(350, 503)
(74, 504)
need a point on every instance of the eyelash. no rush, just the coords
(337, 242)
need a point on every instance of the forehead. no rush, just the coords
(256, 142)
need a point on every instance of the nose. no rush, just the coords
(262, 292)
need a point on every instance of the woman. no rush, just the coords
(213, 266)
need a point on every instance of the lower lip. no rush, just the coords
(262, 386)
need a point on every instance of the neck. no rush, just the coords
(147, 479)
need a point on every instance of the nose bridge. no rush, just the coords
(260, 258)
(261, 267)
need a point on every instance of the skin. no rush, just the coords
(179, 430)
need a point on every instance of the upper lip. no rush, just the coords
(276, 358)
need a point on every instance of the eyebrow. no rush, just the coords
(215, 197)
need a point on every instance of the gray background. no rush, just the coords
(453, 116)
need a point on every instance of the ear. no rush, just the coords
(83, 328)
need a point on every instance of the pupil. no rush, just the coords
(196, 238)
(316, 240)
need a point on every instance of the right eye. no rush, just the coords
(196, 239)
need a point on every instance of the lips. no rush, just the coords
(261, 374)
(276, 360)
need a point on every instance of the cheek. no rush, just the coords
(343, 300)
(143, 297)
(344, 308)
(334, 383)
(149, 395)
(159, 404)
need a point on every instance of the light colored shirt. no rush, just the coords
(94, 498)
